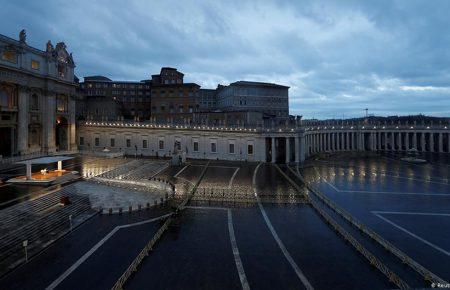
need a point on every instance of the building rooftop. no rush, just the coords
(250, 83)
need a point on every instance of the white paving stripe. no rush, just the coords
(412, 234)
(182, 169)
(95, 248)
(283, 249)
(232, 178)
(237, 257)
(411, 213)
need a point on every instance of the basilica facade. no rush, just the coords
(37, 98)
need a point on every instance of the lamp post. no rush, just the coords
(25, 245)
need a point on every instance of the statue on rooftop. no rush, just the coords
(49, 47)
(22, 36)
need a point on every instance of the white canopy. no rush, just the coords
(45, 160)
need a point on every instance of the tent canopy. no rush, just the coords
(45, 160)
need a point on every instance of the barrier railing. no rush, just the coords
(373, 260)
(145, 251)
(403, 257)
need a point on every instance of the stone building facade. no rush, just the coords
(106, 99)
(37, 97)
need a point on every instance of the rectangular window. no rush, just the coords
(250, 149)
(81, 141)
(231, 148)
(9, 56)
(195, 146)
(35, 64)
(97, 141)
(112, 142)
(128, 143)
(144, 143)
(213, 147)
(161, 144)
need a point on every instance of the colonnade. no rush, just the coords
(383, 140)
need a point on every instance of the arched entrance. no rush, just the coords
(61, 134)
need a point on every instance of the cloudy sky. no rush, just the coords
(338, 57)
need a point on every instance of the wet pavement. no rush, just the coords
(267, 245)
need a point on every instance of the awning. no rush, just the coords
(45, 160)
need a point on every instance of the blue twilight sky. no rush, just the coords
(338, 57)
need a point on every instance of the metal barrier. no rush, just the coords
(404, 258)
(394, 278)
(145, 251)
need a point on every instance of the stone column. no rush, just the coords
(354, 146)
(297, 149)
(22, 132)
(363, 141)
(414, 141)
(392, 141)
(440, 143)
(379, 141)
(399, 138)
(385, 141)
(274, 154)
(72, 143)
(48, 117)
(347, 145)
(431, 142)
(288, 150)
(302, 149)
(422, 141)
(407, 141)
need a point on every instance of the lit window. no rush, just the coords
(35, 64)
(9, 56)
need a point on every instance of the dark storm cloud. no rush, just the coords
(338, 57)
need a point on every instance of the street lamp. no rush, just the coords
(25, 245)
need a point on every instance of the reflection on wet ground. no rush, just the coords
(407, 204)
(267, 244)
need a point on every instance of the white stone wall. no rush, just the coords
(186, 137)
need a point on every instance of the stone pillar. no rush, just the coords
(288, 150)
(48, 117)
(440, 143)
(354, 145)
(274, 154)
(385, 141)
(297, 149)
(392, 141)
(431, 142)
(72, 142)
(422, 141)
(302, 149)
(399, 138)
(347, 139)
(379, 141)
(407, 141)
(363, 141)
(414, 141)
(448, 142)
(22, 132)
